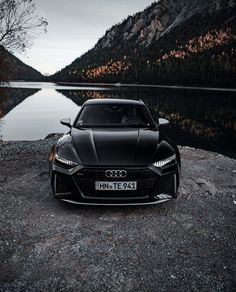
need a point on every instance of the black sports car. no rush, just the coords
(114, 154)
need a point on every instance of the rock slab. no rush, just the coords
(186, 244)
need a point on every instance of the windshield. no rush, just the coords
(114, 115)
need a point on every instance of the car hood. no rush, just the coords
(126, 147)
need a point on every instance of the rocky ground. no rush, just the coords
(184, 245)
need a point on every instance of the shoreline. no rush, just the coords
(122, 85)
(55, 136)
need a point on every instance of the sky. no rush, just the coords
(74, 27)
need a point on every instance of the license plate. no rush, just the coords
(115, 186)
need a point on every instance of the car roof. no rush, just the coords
(113, 101)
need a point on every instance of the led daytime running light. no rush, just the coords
(65, 161)
(162, 163)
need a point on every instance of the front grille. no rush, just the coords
(132, 173)
(146, 179)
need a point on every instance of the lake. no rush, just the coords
(201, 119)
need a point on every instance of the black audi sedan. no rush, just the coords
(115, 153)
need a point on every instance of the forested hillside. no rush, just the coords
(182, 42)
(11, 68)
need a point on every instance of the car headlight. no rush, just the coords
(64, 161)
(54, 157)
(162, 163)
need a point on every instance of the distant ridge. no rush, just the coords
(175, 42)
(11, 68)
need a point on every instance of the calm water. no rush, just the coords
(201, 119)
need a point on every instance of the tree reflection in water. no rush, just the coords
(11, 97)
(204, 119)
(201, 119)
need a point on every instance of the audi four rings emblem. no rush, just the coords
(116, 173)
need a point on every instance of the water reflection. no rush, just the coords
(11, 97)
(198, 118)
(36, 116)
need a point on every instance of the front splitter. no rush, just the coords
(115, 204)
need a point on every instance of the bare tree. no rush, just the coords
(19, 24)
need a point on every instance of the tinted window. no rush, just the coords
(114, 115)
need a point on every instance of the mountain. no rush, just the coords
(11, 68)
(188, 42)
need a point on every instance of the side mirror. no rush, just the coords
(163, 122)
(66, 122)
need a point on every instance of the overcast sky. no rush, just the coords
(74, 26)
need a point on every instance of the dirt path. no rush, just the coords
(183, 245)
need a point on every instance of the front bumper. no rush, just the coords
(78, 185)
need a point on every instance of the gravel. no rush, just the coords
(186, 244)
